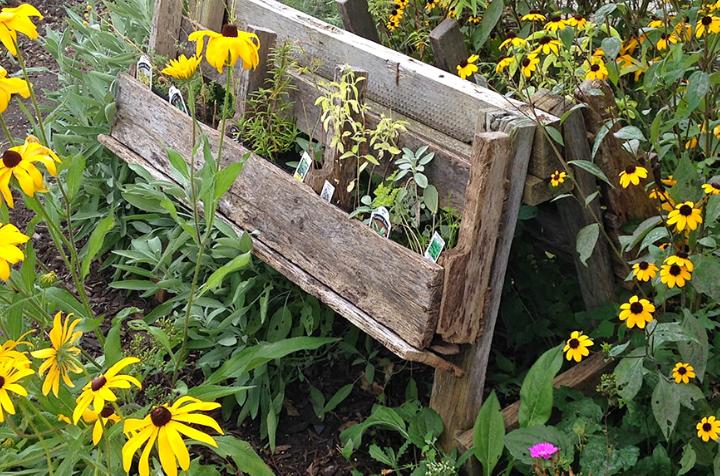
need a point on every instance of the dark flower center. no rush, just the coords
(636, 308)
(578, 17)
(681, 255)
(594, 67)
(463, 64)
(160, 416)
(544, 40)
(107, 411)
(535, 12)
(675, 270)
(644, 265)
(707, 427)
(511, 35)
(706, 20)
(526, 62)
(630, 169)
(2, 382)
(682, 370)
(230, 31)
(98, 383)
(715, 185)
(686, 210)
(11, 158)
(574, 343)
(664, 36)
(556, 19)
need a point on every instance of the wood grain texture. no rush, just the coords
(291, 219)
(210, 13)
(255, 79)
(448, 45)
(357, 19)
(165, 28)
(468, 266)
(309, 284)
(544, 160)
(538, 190)
(406, 85)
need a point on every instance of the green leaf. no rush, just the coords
(536, 393)
(687, 461)
(215, 280)
(705, 278)
(227, 176)
(338, 397)
(490, 19)
(629, 374)
(178, 163)
(489, 434)
(712, 210)
(698, 86)
(667, 332)
(519, 441)
(665, 406)
(430, 199)
(587, 238)
(590, 167)
(95, 242)
(210, 393)
(599, 137)
(243, 455)
(695, 351)
(611, 47)
(555, 135)
(630, 133)
(599, 458)
(74, 176)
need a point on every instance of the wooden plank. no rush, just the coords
(254, 79)
(406, 85)
(307, 283)
(165, 28)
(448, 45)
(544, 160)
(291, 219)
(357, 19)
(210, 13)
(582, 376)
(538, 190)
(468, 267)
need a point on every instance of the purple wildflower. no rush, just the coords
(543, 450)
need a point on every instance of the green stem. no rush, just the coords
(33, 97)
(24, 406)
(6, 130)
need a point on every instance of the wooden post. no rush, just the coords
(338, 172)
(254, 79)
(357, 19)
(209, 13)
(165, 28)
(448, 45)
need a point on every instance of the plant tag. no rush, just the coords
(380, 222)
(436, 246)
(328, 191)
(175, 98)
(303, 167)
(234, 132)
(144, 71)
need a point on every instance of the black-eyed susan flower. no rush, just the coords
(632, 175)
(557, 178)
(60, 359)
(548, 45)
(227, 47)
(468, 67)
(99, 390)
(711, 188)
(512, 40)
(716, 132)
(637, 312)
(577, 21)
(10, 377)
(707, 25)
(182, 68)
(10, 354)
(504, 63)
(595, 69)
(682, 372)
(529, 65)
(17, 20)
(19, 162)
(472, 19)
(666, 202)
(629, 46)
(685, 217)
(674, 275)
(681, 258)
(577, 346)
(556, 23)
(10, 86)
(644, 271)
(10, 253)
(166, 425)
(100, 421)
(666, 40)
(708, 429)
(431, 4)
(669, 181)
(691, 143)
(534, 16)
(656, 22)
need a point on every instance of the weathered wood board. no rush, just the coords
(293, 221)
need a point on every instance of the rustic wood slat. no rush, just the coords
(357, 19)
(538, 190)
(290, 218)
(254, 79)
(165, 28)
(366, 323)
(210, 13)
(406, 85)
(448, 45)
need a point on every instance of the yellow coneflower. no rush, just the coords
(557, 178)
(19, 162)
(10, 86)
(685, 217)
(10, 354)
(716, 132)
(632, 175)
(548, 45)
(707, 25)
(595, 69)
(673, 275)
(666, 202)
(629, 46)
(691, 143)
(468, 67)
(60, 359)
(682, 372)
(166, 425)
(644, 271)
(10, 253)
(474, 20)
(10, 377)
(182, 68)
(529, 65)
(711, 188)
(665, 40)
(504, 63)
(17, 20)
(431, 4)
(577, 21)
(577, 346)
(534, 16)
(680, 258)
(227, 47)
(99, 390)
(708, 429)
(656, 22)
(669, 181)
(637, 312)
(556, 23)
(512, 40)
